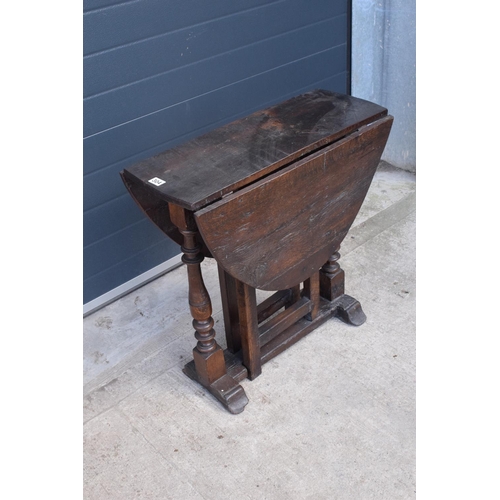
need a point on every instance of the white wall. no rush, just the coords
(383, 69)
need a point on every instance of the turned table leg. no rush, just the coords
(208, 355)
(332, 277)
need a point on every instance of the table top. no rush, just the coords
(208, 167)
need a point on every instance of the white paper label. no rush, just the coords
(156, 181)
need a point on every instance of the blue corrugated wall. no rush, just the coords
(159, 72)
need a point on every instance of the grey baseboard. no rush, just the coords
(130, 286)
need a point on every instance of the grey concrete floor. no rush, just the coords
(333, 417)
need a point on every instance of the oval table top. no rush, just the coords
(204, 169)
(280, 230)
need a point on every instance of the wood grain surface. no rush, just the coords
(280, 230)
(204, 169)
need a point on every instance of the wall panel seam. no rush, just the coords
(135, 255)
(88, 210)
(216, 90)
(97, 94)
(98, 52)
(166, 144)
(114, 233)
(132, 284)
(110, 6)
(177, 138)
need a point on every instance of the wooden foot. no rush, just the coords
(225, 389)
(343, 306)
(230, 394)
(291, 325)
(349, 310)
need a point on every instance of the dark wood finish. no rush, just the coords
(230, 310)
(295, 295)
(206, 168)
(234, 367)
(278, 231)
(155, 208)
(283, 320)
(348, 309)
(208, 355)
(296, 332)
(152, 205)
(311, 291)
(226, 388)
(273, 304)
(270, 197)
(332, 278)
(249, 329)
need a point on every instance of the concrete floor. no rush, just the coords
(333, 417)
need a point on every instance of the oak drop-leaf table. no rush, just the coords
(270, 197)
